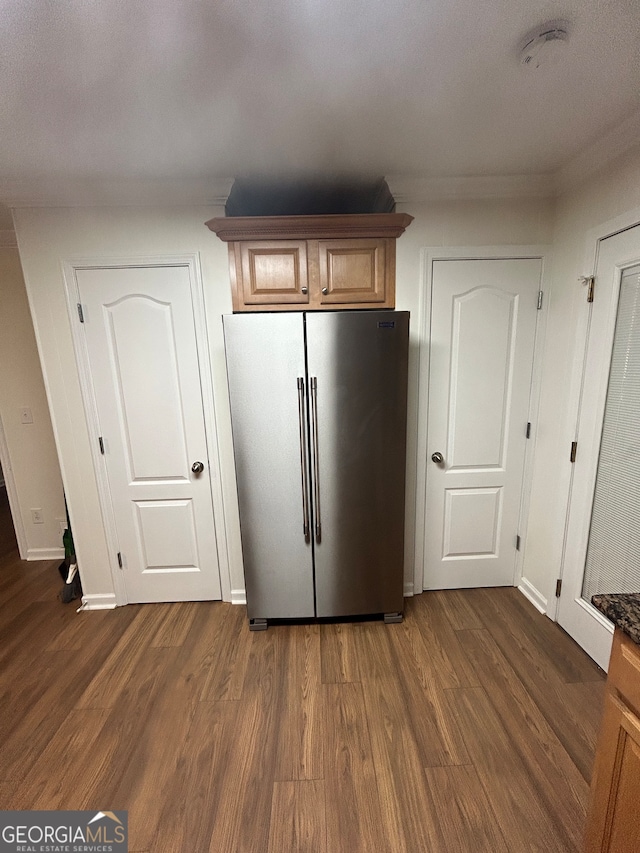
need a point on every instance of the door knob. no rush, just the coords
(438, 458)
(197, 467)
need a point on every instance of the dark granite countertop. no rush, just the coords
(623, 609)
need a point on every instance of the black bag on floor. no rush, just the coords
(68, 568)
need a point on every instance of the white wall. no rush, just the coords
(49, 236)
(610, 194)
(46, 238)
(30, 447)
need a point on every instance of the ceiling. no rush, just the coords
(101, 95)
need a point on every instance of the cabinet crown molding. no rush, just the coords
(233, 228)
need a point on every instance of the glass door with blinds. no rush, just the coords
(602, 551)
(613, 550)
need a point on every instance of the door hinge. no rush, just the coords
(119, 559)
(574, 447)
(529, 430)
(558, 587)
(101, 443)
(518, 542)
(590, 281)
(540, 298)
(80, 313)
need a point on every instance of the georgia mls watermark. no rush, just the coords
(63, 832)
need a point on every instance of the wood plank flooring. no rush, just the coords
(470, 727)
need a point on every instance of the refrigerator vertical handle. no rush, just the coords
(303, 460)
(316, 466)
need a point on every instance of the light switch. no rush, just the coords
(25, 416)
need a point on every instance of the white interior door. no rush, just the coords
(602, 550)
(141, 343)
(483, 322)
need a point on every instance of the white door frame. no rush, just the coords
(474, 253)
(192, 262)
(12, 494)
(593, 238)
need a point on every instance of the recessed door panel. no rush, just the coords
(145, 370)
(168, 537)
(274, 272)
(141, 340)
(471, 523)
(482, 360)
(352, 271)
(481, 357)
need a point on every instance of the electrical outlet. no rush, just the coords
(36, 516)
(25, 416)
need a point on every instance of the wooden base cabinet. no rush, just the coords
(293, 263)
(613, 823)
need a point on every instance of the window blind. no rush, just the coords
(613, 552)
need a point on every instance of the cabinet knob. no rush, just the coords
(325, 290)
(304, 290)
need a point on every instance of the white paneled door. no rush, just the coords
(483, 322)
(602, 549)
(145, 374)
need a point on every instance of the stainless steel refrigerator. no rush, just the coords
(319, 413)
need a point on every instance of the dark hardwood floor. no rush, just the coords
(469, 727)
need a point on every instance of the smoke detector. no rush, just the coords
(544, 44)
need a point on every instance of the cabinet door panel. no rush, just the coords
(612, 825)
(624, 669)
(353, 271)
(274, 272)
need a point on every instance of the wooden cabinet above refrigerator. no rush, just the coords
(293, 263)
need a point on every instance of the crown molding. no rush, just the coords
(600, 153)
(8, 239)
(75, 192)
(415, 188)
(232, 228)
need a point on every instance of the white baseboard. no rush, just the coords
(45, 553)
(107, 601)
(531, 594)
(408, 589)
